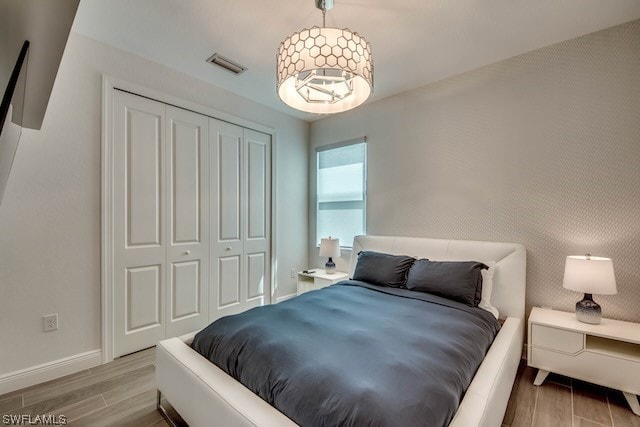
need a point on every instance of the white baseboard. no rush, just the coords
(286, 297)
(49, 371)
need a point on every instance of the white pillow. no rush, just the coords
(487, 289)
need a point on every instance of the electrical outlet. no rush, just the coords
(50, 322)
(294, 273)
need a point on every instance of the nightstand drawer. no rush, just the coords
(557, 339)
(609, 371)
(318, 279)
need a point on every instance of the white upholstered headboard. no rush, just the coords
(509, 280)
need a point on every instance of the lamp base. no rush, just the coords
(588, 311)
(330, 267)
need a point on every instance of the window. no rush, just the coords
(341, 191)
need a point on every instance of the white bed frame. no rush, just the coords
(204, 395)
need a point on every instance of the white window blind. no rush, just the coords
(341, 191)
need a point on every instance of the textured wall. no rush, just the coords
(541, 149)
(50, 214)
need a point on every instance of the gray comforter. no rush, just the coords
(355, 354)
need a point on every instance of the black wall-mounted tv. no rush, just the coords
(11, 109)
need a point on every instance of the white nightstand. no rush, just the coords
(607, 354)
(318, 279)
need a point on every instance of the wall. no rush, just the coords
(50, 215)
(541, 149)
(46, 25)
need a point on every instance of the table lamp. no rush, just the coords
(330, 247)
(591, 275)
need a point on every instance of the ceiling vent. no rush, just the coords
(226, 63)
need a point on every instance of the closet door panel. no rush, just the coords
(186, 145)
(229, 165)
(257, 243)
(188, 195)
(142, 297)
(142, 176)
(185, 290)
(139, 222)
(227, 217)
(257, 189)
(257, 267)
(229, 281)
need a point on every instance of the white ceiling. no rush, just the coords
(414, 42)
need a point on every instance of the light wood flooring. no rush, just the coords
(562, 401)
(122, 393)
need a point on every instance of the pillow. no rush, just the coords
(487, 289)
(382, 269)
(457, 281)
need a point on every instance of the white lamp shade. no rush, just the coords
(324, 50)
(589, 274)
(330, 247)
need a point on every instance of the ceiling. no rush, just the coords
(414, 42)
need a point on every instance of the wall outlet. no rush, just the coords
(294, 273)
(50, 322)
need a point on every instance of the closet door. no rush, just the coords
(257, 222)
(187, 273)
(161, 222)
(139, 222)
(240, 218)
(227, 217)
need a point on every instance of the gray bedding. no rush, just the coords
(355, 354)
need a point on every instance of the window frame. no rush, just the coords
(318, 150)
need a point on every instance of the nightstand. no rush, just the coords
(318, 279)
(607, 354)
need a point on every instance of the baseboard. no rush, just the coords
(48, 371)
(286, 297)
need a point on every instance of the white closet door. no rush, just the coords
(139, 223)
(187, 305)
(227, 217)
(191, 224)
(240, 218)
(256, 226)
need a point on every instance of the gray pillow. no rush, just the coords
(457, 281)
(383, 269)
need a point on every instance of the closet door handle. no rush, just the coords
(228, 248)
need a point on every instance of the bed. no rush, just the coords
(204, 394)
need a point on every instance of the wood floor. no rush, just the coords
(561, 401)
(122, 393)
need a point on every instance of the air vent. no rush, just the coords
(226, 63)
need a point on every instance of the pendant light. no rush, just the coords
(324, 70)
